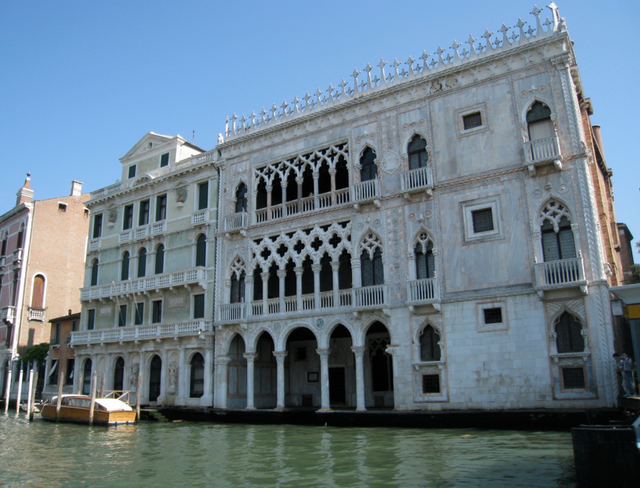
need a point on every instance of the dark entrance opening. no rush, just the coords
(337, 386)
(155, 373)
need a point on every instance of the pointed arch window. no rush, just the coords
(237, 288)
(155, 378)
(557, 235)
(196, 387)
(94, 272)
(159, 267)
(417, 152)
(569, 334)
(368, 167)
(371, 261)
(86, 377)
(429, 347)
(425, 262)
(539, 122)
(201, 250)
(241, 198)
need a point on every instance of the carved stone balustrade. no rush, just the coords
(562, 273)
(142, 332)
(542, 151)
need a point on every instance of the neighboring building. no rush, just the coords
(150, 263)
(61, 355)
(626, 254)
(41, 267)
(434, 235)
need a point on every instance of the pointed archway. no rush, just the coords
(378, 367)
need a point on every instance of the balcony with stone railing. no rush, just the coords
(423, 292)
(35, 314)
(366, 192)
(562, 273)
(8, 314)
(141, 332)
(542, 151)
(236, 222)
(366, 298)
(303, 205)
(193, 276)
(416, 180)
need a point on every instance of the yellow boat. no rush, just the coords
(75, 408)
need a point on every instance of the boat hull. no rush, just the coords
(80, 415)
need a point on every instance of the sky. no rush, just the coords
(82, 82)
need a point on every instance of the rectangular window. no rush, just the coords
(132, 171)
(161, 207)
(198, 306)
(164, 160)
(573, 378)
(156, 311)
(127, 222)
(143, 214)
(492, 315)
(139, 318)
(203, 195)
(122, 316)
(97, 226)
(62, 207)
(482, 220)
(430, 383)
(71, 363)
(91, 319)
(472, 120)
(74, 326)
(53, 373)
(55, 339)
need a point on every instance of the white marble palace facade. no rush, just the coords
(425, 236)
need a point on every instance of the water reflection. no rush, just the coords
(187, 454)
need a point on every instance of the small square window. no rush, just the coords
(62, 207)
(472, 120)
(132, 171)
(492, 315)
(482, 220)
(430, 383)
(573, 379)
(164, 160)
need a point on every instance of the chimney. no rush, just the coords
(76, 188)
(25, 194)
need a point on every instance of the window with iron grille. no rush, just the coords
(482, 220)
(573, 379)
(430, 383)
(492, 315)
(472, 120)
(569, 334)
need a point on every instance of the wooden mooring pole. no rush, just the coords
(138, 396)
(8, 388)
(19, 397)
(32, 396)
(94, 381)
(61, 376)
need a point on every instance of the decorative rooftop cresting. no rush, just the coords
(367, 80)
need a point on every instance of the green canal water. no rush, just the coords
(42, 454)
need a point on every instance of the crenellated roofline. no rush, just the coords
(367, 82)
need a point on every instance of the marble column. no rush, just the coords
(299, 270)
(248, 293)
(183, 387)
(269, 188)
(207, 396)
(316, 285)
(325, 401)
(332, 173)
(265, 292)
(282, 273)
(392, 351)
(250, 357)
(358, 352)
(335, 268)
(221, 383)
(280, 357)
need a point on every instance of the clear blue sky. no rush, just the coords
(81, 82)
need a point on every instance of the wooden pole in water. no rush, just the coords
(20, 374)
(29, 391)
(92, 407)
(80, 380)
(138, 396)
(61, 376)
(101, 391)
(8, 388)
(33, 393)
